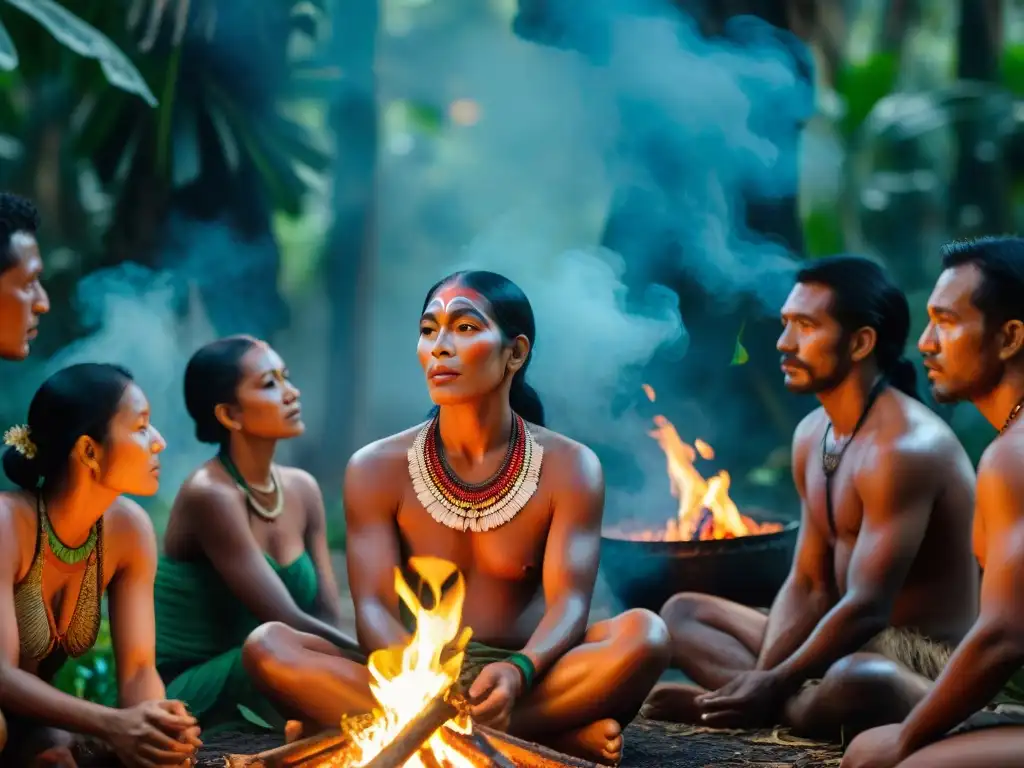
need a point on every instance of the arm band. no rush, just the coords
(523, 663)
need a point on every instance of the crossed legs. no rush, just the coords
(580, 705)
(713, 640)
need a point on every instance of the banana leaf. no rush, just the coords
(8, 53)
(88, 42)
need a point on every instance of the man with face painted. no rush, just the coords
(974, 350)
(517, 508)
(22, 297)
(883, 583)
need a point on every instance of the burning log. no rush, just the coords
(527, 754)
(412, 737)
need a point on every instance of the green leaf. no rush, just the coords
(1012, 66)
(87, 41)
(426, 118)
(253, 718)
(864, 84)
(314, 79)
(8, 53)
(823, 232)
(298, 141)
(740, 354)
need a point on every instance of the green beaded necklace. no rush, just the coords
(64, 553)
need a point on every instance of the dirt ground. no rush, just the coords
(649, 744)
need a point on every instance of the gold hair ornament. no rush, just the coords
(19, 439)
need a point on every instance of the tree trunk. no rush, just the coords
(351, 248)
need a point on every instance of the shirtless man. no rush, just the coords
(883, 583)
(517, 508)
(22, 297)
(974, 350)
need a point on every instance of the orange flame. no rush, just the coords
(406, 679)
(705, 509)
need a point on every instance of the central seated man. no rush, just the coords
(517, 508)
(884, 583)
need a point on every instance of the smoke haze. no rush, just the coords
(686, 124)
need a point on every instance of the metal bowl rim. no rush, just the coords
(654, 547)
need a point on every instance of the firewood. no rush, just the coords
(527, 754)
(476, 749)
(295, 753)
(409, 740)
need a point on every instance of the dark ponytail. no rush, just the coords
(525, 401)
(211, 379)
(903, 375)
(865, 296)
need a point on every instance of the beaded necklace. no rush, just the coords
(1013, 415)
(276, 486)
(482, 506)
(64, 553)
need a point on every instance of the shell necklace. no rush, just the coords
(275, 487)
(475, 507)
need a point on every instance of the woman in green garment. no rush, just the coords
(246, 542)
(67, 538)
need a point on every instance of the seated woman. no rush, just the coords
(518, 509)
(65, 539)
(246, 542)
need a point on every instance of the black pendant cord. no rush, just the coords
(1013, 415)
(830, 461)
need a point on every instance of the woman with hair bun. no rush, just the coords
(246, 542)
(68, 537)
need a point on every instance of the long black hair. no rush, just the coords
(513, 315)
(211, 378)
(75, 401)
(864, 296)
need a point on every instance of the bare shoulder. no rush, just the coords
(18, 513)
(204, 490)
(303, 481)
(808, 431)
(916, 434)
(128, 528)
(375, 475)
(387, 455)
(1001, 462)
(573, 465)
(18, 523)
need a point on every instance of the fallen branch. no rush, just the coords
(294, 753)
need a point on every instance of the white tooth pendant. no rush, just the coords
(475, 507)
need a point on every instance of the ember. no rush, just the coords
(420, 721)
(705, 509)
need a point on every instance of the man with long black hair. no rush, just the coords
(883, 583)
(974, 351)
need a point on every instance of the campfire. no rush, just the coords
(421, 719)
(705, 510)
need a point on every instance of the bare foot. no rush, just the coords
(673, 703)
(293, 731)
(599, 742)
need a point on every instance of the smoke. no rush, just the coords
(619, 157)
(624, 154)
